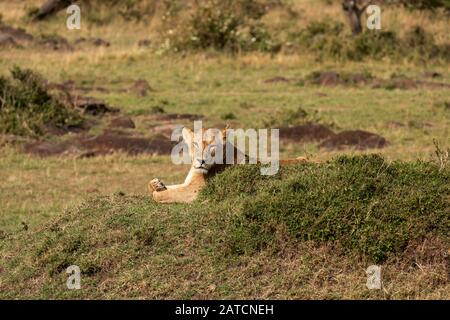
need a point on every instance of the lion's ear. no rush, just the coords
(187, 136)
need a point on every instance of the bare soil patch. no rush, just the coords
(112, 141)
(177, 116)
(141, 87)
(431, 75)
(165, 123)
(396, 83)
(54, 42)
(431, 251)
(144, 43)
(308, 132)
(357, 139)
(277, 79)
(108, 142)
(18, 37)
(45, 148)
(96, 42)
(92, 106)
(166, 129)
(122, 122)
(8, 42)
(15, 35)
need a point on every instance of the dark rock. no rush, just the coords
(112, 141)
(306, 133)
(55, 42)
(97, 42)
(166, 130)
(357, 139)
(277, 80)
(82, 146)
(122, 122)
(8, 41)
(18, 35)
(327, 78)
(44, 149)
(144, 43)
(93, 107)
(431, 74)
(141, 87)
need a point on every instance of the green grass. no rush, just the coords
(364, 204)
(35, 189)
(308, 233)
(368, 210)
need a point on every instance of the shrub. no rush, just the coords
(27, 108)
(157, 110)
(323, 37)
(328, 39)
(373, 44)
(230, 26)
(228, 116)
(422, 44)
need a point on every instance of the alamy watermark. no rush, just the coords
(374, 17)
(373, 277)
(228, 147)
(73, 21)
(74, 280)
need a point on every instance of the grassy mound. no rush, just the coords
(361, 206)
(362, 203)
(27, 108)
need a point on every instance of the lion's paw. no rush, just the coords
(156, 185)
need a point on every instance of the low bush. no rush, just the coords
(27, 108)
(329, 40)
(231, 26)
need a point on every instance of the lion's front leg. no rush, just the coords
(183, 193)
(156, 185)
(170, 194)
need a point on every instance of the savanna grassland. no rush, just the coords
(309, 233)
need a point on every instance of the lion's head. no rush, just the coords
(207, 148)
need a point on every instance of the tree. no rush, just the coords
(353, 9)
(51, 7)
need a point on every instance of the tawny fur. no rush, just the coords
(198, 175)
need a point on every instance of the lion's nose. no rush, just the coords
(202, 162)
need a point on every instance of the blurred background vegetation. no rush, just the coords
(274, 25)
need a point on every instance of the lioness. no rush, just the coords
(202, 167)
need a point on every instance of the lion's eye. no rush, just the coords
(212, 150)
